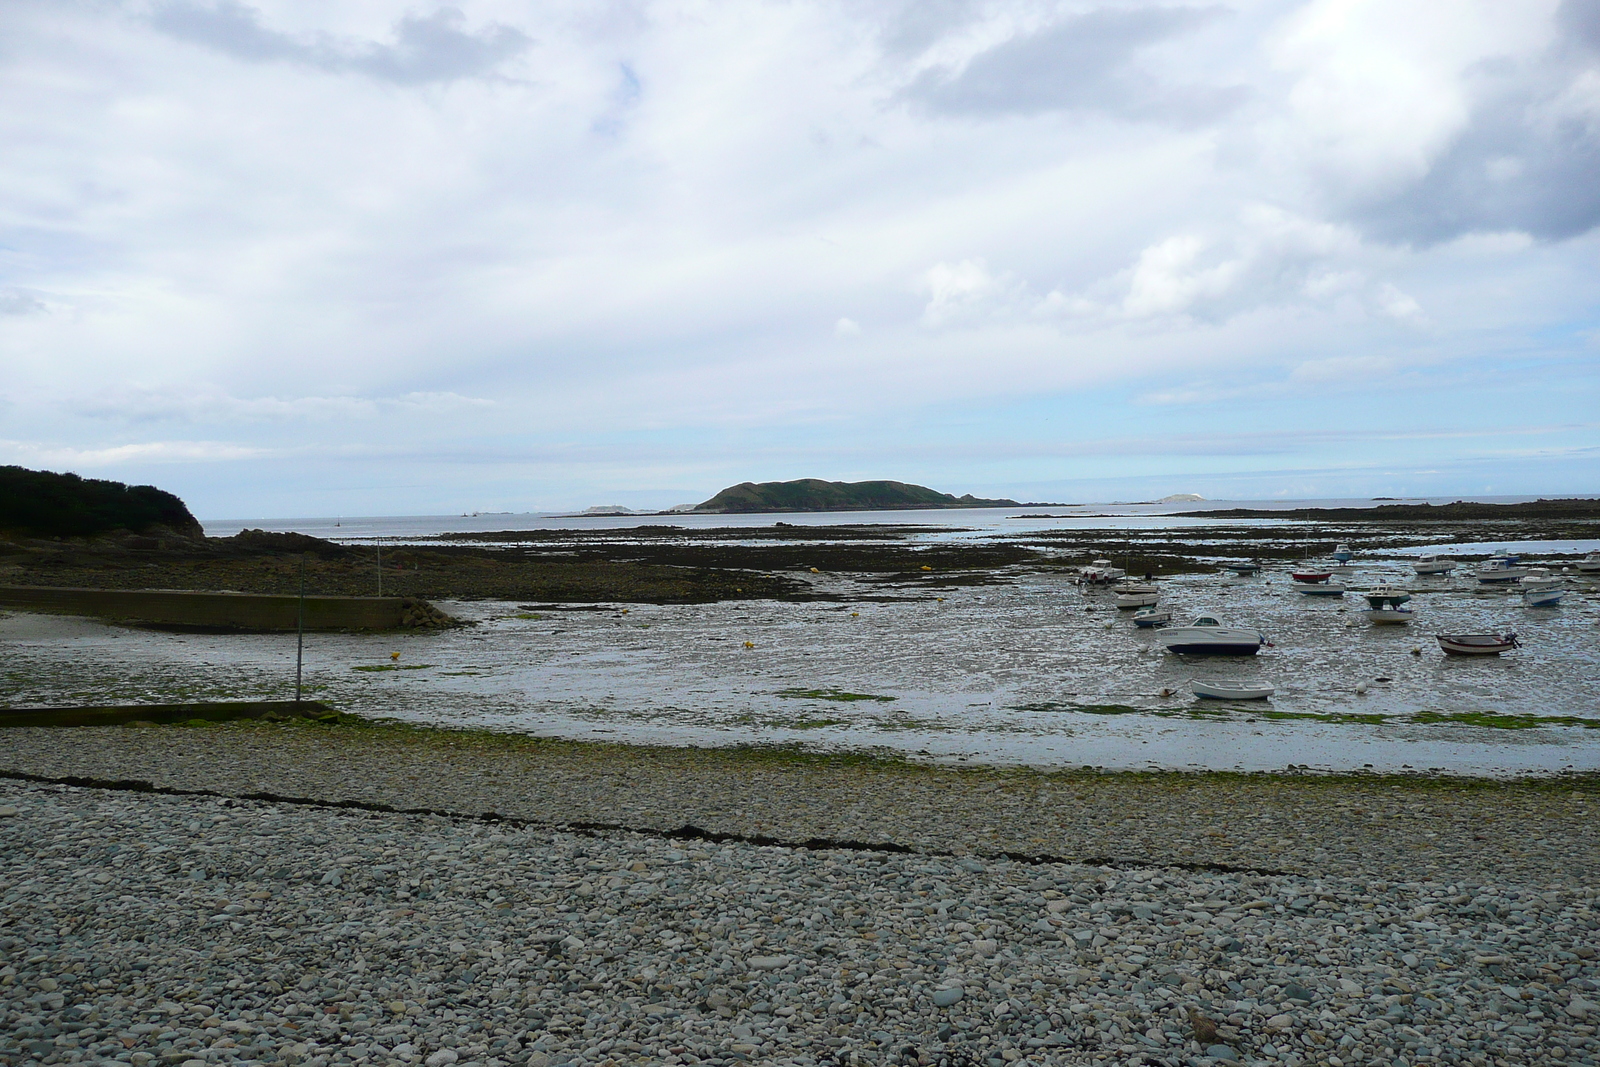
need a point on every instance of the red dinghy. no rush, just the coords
(1311, 576)
(1477, 644)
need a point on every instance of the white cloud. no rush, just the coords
(339, 226)
(143, 452)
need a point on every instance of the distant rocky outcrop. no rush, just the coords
(46, 504)
(814, 494)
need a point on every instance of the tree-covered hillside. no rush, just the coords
(814, 494)
(46, 504)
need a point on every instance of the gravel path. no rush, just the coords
(1402, 830)
(145, 929)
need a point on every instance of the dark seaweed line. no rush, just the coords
(686, 832)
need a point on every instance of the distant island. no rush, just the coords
(814, 494)
(46, 504)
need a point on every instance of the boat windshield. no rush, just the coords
(1205, 620)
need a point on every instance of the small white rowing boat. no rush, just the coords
(1477, 644)
(1129, 601)
(1234, 690)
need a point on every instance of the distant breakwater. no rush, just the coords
(228, 611)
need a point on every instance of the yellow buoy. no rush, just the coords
(394, 655)
(749, 644)
(815, 571)
(855, 614)
(926, 567)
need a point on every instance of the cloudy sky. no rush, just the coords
(338, 257)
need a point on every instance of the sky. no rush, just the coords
(366, 258)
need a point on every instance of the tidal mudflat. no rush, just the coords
(1025, 668)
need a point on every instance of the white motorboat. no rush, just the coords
(1541, 589)
(1207, 636)
(1500, 569)
(1589, 564)
(1233, 690)
(1134, 587)
(1149, 618)
(1243, 567)
(1386, 605)
(1342, 553)
(1319, 588)
(1129, 601)
(1477, 644)
(1100, 572)
(1434, 565)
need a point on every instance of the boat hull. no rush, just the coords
(1320, 589)
(1433, 568)
(1150, 620)
(1390, 616)
(1129, 601)
(1206, 641)
(1543, 598)
(1476, 644)
(1311, 576)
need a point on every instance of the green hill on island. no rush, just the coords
(814, 494)
(46, 504)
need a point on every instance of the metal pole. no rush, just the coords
(380, 566)
(300, 632)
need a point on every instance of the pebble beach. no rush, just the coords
(506, 925)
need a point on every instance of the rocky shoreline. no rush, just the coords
(1249, 919)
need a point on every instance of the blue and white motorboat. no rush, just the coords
(1541, 589)
(1206, 635)
(1152, 617)
(1497, 569)
(1342, 553)
(1244, 567)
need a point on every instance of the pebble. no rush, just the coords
(455, 941)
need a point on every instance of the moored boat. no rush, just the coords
(1342, 553)
(1134, 587)
(1100, 572)
(1207, 636)
(1149, 618)
(1319, 588)
(1434, 565)
(1541, 589)
(1230, 690)
(1129, 601)
(1477, 644)
(1243, 567)
(1589, 564)
(1311, 576)
(1386, 605)
(1500, 569)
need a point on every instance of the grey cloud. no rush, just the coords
(426, 48)
(1522, 163)
(16, 302)
(1081, 62)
